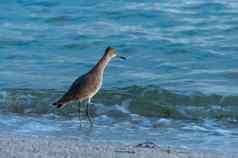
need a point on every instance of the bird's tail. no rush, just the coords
(62, 101)
(58, 104)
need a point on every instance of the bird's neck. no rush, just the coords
(101, 65)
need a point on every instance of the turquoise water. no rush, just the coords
(178, 86)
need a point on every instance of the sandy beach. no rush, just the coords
(32, 147)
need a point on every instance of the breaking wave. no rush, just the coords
(149, 101)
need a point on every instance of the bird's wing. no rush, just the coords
(82, 87)
(76, 88)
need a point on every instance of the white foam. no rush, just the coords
(222, 131)
(121, 108)
(37, 127)
(195, 128)
(163, 122)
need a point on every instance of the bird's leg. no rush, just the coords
(88, 113)
(79, 111)
(92, 104)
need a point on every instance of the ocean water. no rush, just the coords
(177, 88)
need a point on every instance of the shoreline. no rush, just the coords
(49, 147)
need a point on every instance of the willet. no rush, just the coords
(86, 86)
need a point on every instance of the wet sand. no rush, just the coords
(43, 147)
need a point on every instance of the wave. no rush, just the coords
(149, 101)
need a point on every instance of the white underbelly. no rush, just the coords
(96, 90)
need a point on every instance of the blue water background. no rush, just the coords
(180, 45)
(186, 47)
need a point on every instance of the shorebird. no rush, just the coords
(86, 86)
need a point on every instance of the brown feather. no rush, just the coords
(87, 85)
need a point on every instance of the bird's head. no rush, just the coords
(111, 52)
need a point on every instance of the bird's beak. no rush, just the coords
(122, 57)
